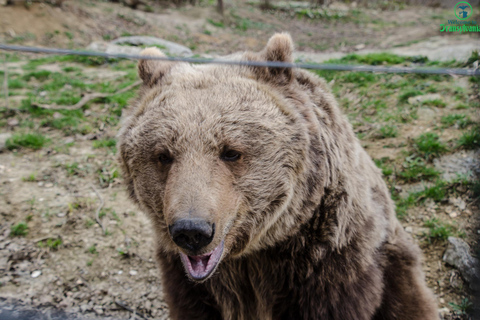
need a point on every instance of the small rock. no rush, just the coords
(148, 305)
(171, 47)
(84, 308)
(40, 184)
(425, 97)
(61, 214)
(3, 139)
(48, 185)
(43, 93)
(453, 214)
(360, 46)
(120, 271)
(69, 140)
(133, 272)
(98, 310)
(457, 255)
(79, 282)
(409, 229)
(57, 115)
(12, 122)
(36, 273)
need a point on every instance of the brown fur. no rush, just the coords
(309, 227)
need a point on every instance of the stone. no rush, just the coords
(425, 97)
(457, 255)
(12, 122)
(36, 273)
(3, 139)
(164, 45)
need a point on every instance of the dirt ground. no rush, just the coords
(66, 264)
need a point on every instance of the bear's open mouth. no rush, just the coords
(200, 267)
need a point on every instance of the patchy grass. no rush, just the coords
(26, 140)
(415, 169)
(92, 249)
(458, 120)
(52, 244)
(405, 95)
(106, 143)
(434, 103)
(374, 58)
(429, 144)
(383, 164)
(464, 308)
(440, 231)
(30, 178)
(470, 139)
(388, 131)
(19, 230)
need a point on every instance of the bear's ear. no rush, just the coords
(279, 49)
(152, 71)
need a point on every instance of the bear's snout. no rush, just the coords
(192, 234)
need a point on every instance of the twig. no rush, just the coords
(87, 98)
(5, 80)
(97, 218)
(124, 306)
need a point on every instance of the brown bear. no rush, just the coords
(263, 203)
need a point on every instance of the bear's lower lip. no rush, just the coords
(200, 267)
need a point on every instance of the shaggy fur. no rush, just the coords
(308, 225)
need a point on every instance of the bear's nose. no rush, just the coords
(192, 234)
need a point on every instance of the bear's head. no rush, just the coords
(217, 155)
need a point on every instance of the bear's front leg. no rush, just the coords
(186, 300)
(406, 295)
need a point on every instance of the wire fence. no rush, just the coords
(269, 64)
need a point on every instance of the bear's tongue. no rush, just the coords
(200, 267)
(199, 263)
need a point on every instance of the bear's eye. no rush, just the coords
(165, 158)
(231, 155)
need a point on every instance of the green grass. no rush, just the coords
(436, 192)
(41, 75)
(429, 144)
(384, 166)
(463, 308)
(470, 139)
(105, 143)
(16, 84)
(92, 249)
(26, 140)
(405, 95)
(19, 230)
(360, 78)
(374, 58)
(459, 120)
(89, 222)
(72, 169)
(51, 243)
(415, 169)
(440, 231)
(434, 103)
(388, 131)
(30, 178)
(218, 24)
